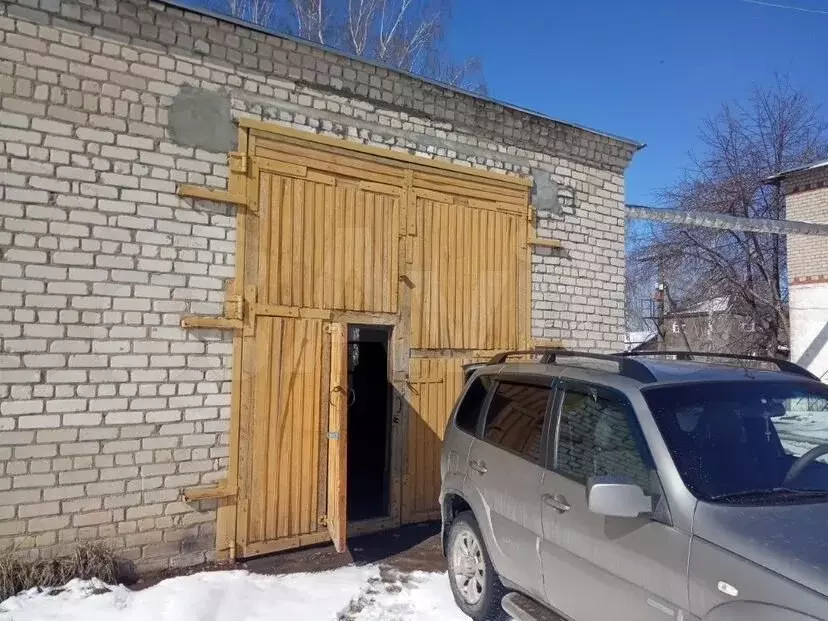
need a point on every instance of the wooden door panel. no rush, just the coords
(435, 385)
(337, 516)
(468, 277)
(288, 382)
(328, 245)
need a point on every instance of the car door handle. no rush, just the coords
(557, 502)
(478, 466)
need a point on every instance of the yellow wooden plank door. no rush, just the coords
(328, 243)
(282, 500)
(468, 276)
(337, 516)
(435, 385)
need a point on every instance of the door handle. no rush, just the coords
(557, 502)
(478, 466)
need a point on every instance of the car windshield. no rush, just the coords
(742, 441)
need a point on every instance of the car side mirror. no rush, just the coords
(615, 496)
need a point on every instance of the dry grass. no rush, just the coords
(89, 560)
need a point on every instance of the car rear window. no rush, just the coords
(515, 418)
(468, 411)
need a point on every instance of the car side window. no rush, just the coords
(468, 411)
(598, 434)
(515, 418)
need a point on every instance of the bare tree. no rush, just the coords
(258, 12)
(311, 19)
(778, 127)
(404, 34)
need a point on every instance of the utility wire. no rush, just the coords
(787, 6)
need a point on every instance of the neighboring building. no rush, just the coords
(198, 217)
(806, 199)
(713, 325)
(641, 340)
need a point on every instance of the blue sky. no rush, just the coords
(650, 70)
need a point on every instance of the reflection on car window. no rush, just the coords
(735, 437)
(469, 409)
(515, 418)
(598, 435)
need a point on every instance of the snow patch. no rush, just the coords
(395, 596)
(209, 596)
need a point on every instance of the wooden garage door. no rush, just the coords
(282, 499)
(322, 243)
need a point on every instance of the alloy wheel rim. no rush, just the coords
(468, 567)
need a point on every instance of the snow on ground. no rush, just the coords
(368, 593)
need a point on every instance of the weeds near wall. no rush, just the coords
(89, 560)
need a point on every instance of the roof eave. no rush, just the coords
(782, 175)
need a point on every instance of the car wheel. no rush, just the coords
(474, 583)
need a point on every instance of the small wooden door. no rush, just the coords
(338, 438)
(281, 501)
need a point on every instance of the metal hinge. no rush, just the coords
(323, 520)
(238, 162)
(333, 435)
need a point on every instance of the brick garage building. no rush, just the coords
(806, 200)
(109, 409)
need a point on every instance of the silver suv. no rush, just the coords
(589, 487)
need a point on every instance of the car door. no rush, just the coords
(504, 477)
(595, 566)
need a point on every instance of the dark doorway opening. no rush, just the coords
(369, 407)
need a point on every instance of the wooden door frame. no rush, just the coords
(243, 181)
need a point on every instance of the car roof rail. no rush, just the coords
(626, 366)
(786, 366)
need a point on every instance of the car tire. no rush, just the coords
(476, 587)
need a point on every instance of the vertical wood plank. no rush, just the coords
(340, 240)
(319, 248)
(227, 512)
(262, 414)
(329, 219)
(274, 420)
(298, 274)
(308, 276)
(468, 303)
(274, 251)
(369, 269)
(379, 260)
(498, 300)
(431, 255)
(349, 266)
(394, 276)
(477, 278)
(287, 238)
(265, 209)
(359, 281)
(282, 473)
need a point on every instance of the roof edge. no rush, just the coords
(792, 171)
(448, 87)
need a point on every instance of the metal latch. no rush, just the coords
(333, 435)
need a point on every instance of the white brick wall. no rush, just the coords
(807, 200)
(107, 408)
